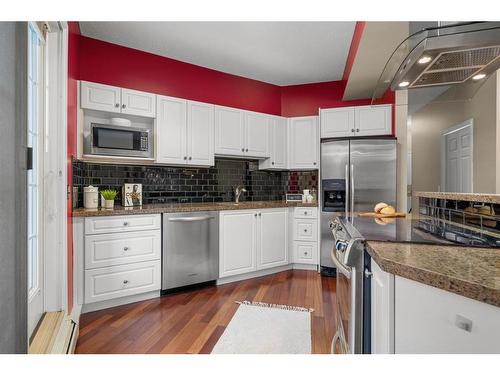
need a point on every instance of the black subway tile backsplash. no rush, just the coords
(162, 184)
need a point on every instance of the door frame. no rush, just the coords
(444, 133)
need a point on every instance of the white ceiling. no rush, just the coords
(282, 53)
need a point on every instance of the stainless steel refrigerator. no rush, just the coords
(355, 175)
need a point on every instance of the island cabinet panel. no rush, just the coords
(434, 321)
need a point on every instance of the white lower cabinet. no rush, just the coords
(434, 321)
(121, 281)
(273, 233)
(382, 310)
(122, 257)
(252, 240)
(304, 223)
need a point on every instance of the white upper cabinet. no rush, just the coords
(114, 99)
(303, 145)
(356, 121)
(171, 131)
(373, 120)
(241, 133)
(257, 127)
(229, 131)
(138, 103)
(337, 122)
(100, 97)
(184, 132)
(200, 133)
(278, 150)
(273, 234)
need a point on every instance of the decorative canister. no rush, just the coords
(90, 197)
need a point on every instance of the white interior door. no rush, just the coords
(35, 143)
(458, 159)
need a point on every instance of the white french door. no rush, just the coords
(35, 136)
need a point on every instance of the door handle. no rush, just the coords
(343, 269)
(346, 192)
(190, 219)
(352, 192)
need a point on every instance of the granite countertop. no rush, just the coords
(186, 207)
(467, 271)
(469, 197)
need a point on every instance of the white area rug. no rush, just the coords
(259, 328)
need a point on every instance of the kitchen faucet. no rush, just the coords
(237, 192)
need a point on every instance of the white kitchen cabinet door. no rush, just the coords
(382, 310)
(200, 133)
(303, 145)
(237, 242)
(278, 145)
(171, 134)
(430, 320)
(100, 97)
(229, 132)
(337, 122)
(257, 128)
(273, 233)
(373, 120)
(138, 103)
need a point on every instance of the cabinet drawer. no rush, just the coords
(305, 212)
(305, 252)
(305, 230)
(125, 223)
(119, 281)
(103, 250)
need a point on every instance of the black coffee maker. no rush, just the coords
(333, 195)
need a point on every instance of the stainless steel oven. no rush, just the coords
(348, 257)
(115, 140)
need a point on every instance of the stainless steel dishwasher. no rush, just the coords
(190, 248)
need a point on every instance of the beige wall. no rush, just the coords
(427, 124)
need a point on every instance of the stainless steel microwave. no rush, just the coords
(113, 140)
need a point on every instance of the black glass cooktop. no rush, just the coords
(423, 230)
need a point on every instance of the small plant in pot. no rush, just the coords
(108, 198)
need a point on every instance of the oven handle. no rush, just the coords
(343, 269)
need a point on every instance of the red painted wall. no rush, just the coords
(73, 48)
(111, 64)
(305, 100)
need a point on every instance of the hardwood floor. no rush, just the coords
(193, 321)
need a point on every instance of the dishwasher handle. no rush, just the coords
(190, 218)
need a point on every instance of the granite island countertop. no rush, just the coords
(467, 271)
(468, 197)
(160, 208)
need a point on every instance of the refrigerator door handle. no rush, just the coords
(347, 192)
(352, 192)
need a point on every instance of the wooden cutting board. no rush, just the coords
(376, 215)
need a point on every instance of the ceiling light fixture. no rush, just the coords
(424, 60)
(404, 84)
(479, 76)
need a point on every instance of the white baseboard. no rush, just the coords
(119, 301)
(269, 271)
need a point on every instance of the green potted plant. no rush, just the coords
(108, 198)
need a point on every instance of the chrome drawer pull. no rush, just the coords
(125, 281)
(125, 223)
(125, 248)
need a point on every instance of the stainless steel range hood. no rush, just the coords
(461, 53)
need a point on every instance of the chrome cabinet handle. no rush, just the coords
(368, 274)
(255, 214)
(117, 105)
(272, 163)
(260, 213)
(357, 130)
(246, 150)
(189, 218)
(125, 248)
(125, 281)
(314, 163)
(305, 213)
(125, 223)
(123, 105)
(185, 157)
(243, 149)
(190, 158)
(352, 130)
(305, 230)
(305, 252)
